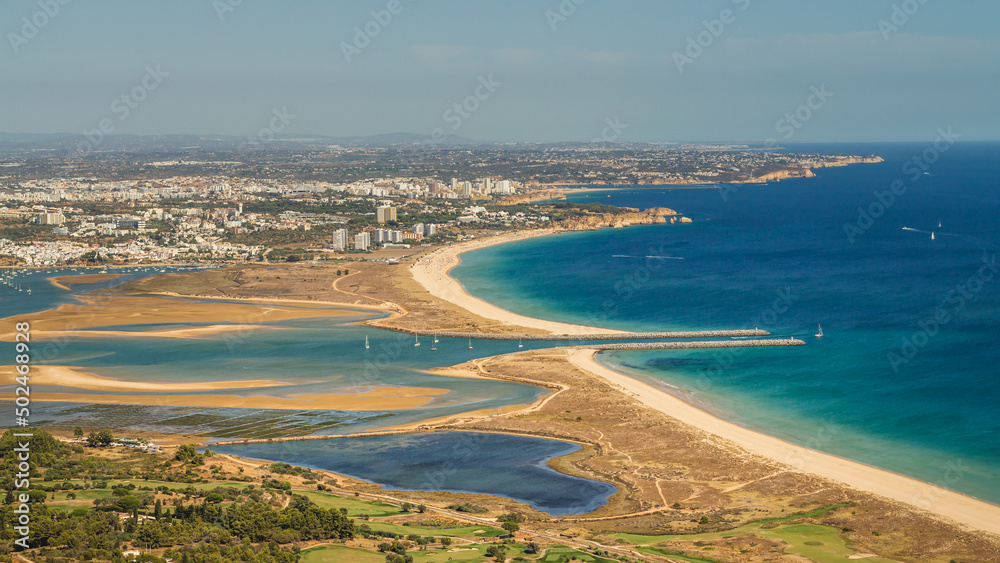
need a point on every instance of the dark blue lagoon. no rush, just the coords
(513, 467)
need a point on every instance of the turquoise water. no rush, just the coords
(465, 462)
(887, 385)
(315, 356)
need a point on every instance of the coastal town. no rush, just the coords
(59, 212)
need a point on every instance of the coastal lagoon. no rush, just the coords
(885, 385)
(310, 356)
(513, 467)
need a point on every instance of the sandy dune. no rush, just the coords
(960, 508)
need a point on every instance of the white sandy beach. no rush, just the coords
(431, 271)
(955, 506)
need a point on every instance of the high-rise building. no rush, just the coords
(383, 214)
(56, 218)
(418, 228)
(431, 229)
(340, 239)
(362, 241)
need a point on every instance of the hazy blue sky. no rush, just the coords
(606, 60)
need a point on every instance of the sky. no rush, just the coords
(513, 71)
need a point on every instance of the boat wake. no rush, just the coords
(659, 257)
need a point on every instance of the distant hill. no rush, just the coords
(50, 141)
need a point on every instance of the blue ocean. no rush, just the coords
(894, 263)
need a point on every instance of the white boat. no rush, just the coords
(416, 340)
(366, 342)
(519, 344)
(820, 333)
(932, 236)
(435, 339)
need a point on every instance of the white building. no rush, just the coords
(362, 241)
(340, 239)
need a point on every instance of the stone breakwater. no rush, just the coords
(595, 336)
(687, 345)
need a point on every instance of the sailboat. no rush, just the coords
(519, 344)
(932, 236)
(416, 340)
(939, 224)
(435, 339)
(470, 344)
(820, 333)
(366, 342)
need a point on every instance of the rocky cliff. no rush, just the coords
(656, 215)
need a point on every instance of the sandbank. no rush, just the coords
(381, 399)
(62, 282)
(190, 332)
(103, 310)
(71, 376)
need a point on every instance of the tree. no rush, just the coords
(157, 509)
(511, 527)
(128, 503)
(497, 552)
(511, 517)
(531, 547)
(407, 507)
(78, 432)
(445, 542)
(102, 438)
(188, 453)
